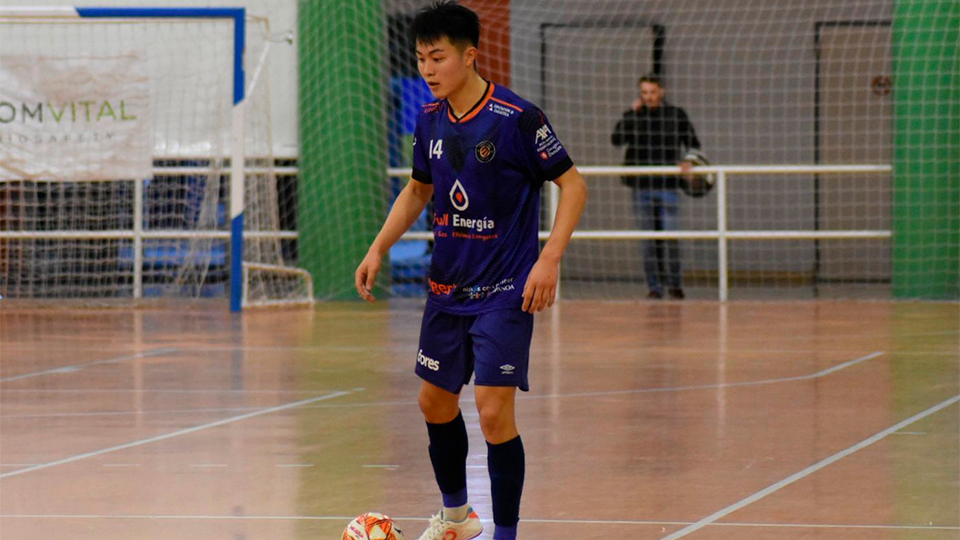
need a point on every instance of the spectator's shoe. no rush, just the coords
(654, 295)
(676, 293)
(441, 529)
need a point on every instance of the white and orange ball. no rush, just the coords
(372, 526)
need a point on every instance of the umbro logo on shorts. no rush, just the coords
(506, 369)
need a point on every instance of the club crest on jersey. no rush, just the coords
(542, 133)
(458, 196)
(485, 151)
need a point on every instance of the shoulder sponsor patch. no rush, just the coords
(500, 109)
(542, 133)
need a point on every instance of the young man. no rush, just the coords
(482, 154)
(657, 133)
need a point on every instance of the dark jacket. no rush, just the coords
(654, 137)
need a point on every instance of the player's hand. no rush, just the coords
(366, 275)
(541, 289)
(686, 168)
(637, 104)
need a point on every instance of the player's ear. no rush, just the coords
(470, 57)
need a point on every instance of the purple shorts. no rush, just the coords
(495, 345)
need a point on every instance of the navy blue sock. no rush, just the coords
(448, 453)
(506, 464)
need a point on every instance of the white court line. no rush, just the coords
(171, 435)
(151, 391)
(525, 520)
(78, 367)
(807, 472)
(816, 375)
(573, 349)
(128, 413)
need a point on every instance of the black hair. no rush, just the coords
(652, 79)
(446, 18)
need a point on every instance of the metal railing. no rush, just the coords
(722, 234)
(138, 234)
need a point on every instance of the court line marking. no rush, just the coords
(525, 520)
(147, 391)
(77, 367)
(816, 375)
(177, 433)
(809, 376)
(536, 350)
(127, 413)
(693, 527)
(834, 337)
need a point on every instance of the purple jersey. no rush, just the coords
(486, 169)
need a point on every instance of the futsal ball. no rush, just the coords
(372, 526)
(699, 185)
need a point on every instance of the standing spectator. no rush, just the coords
(657, 133)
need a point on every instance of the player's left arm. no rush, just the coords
(541, 288)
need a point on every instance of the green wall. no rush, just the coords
(341, 203)
(926, 210)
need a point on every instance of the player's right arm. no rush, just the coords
(408, 206)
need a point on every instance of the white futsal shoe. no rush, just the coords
(441, 529)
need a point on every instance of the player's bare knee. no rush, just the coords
(436, 408)
(491, 423)
(494, 418)
(428, 405)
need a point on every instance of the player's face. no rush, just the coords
(651, 94)
(444, 67)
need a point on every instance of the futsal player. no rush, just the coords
(481, 153)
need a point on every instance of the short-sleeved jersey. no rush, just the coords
(487, 169)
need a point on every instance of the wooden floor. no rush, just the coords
(699, 420)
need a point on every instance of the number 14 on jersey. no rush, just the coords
(436, 148)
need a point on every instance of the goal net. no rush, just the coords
(119, 136)
(832, 129)
(831, 125)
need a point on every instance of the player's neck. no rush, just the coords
(468, 95)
